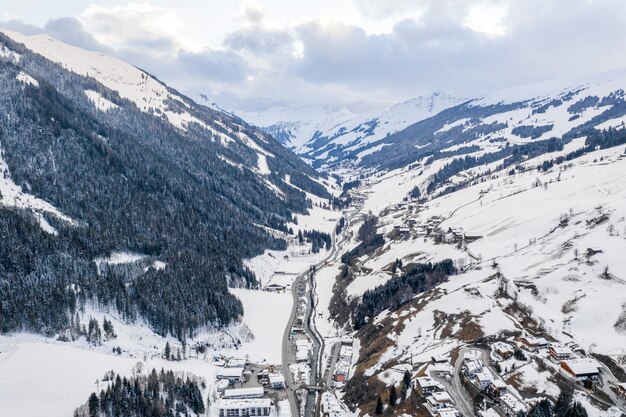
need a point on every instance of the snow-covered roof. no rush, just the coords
(484, 375)
(441, 397)
(426, 382)
(583, 366)
(512, 403)
(243, 392)
(490, 412)
(243, 404)
(276, 378)
(561, 350)
(502, 347)
(230, 372)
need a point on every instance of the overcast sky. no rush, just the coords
(364, 54)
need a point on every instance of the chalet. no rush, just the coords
(503, 350)
(581, 369)
(244, 408)
(472, 367)
(427, 386)
(243, 393)
(275, 288)
(483, 379)
(277, 381)
(443, 369)
(497, 387)
(511, 405)
(230, 374)
(532, 343)
(439, 401)
(560, 353)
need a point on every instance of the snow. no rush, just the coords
(27, 79)
(12, 195)
(266, 314)
(100, 102)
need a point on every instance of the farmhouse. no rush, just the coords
(244, 393)
(241, 408)
(581, 369)
(560, 353)
(275, 288)
(231, 374)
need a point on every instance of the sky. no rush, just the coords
(362, 54)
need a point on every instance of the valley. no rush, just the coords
(442, 257)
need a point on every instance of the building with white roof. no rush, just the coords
(483, 379)
(560, 353)
(503, 350)
(231, 374)
(581, 369)
(511, 405)
(427, 385)
(244, 408)
(277, 381)
(243, 393)
(439, 400)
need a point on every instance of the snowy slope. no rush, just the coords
(294, 127)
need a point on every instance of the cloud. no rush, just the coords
(71, 31)
(461, 46)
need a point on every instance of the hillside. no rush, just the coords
(117, 190)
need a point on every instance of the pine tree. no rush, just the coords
(94, 405)
(168, 350)
(393, 396)
(379, 406)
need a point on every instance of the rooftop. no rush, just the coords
(583, 366)
(247, 403)
(236, 392)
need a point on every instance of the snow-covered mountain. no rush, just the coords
(295, 127)
(328, 136)
(99, 159)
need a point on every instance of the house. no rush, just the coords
(483, 379)
(532, 343)
(244, 393)
(497, 387)
(277, 381)
(427, 386)
(503, 350)
(439, 400)
(472, 367)
(231, 374)
(275, 288)
(581, 369)
(560, 353)
(244, 408)
(443, 369)
(511, 405)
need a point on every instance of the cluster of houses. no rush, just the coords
(244, 401)
(331, 407)
(344, 361)
(438, 402)
(490, 384)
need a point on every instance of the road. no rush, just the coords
(288, 354)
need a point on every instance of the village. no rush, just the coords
(476, 383)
